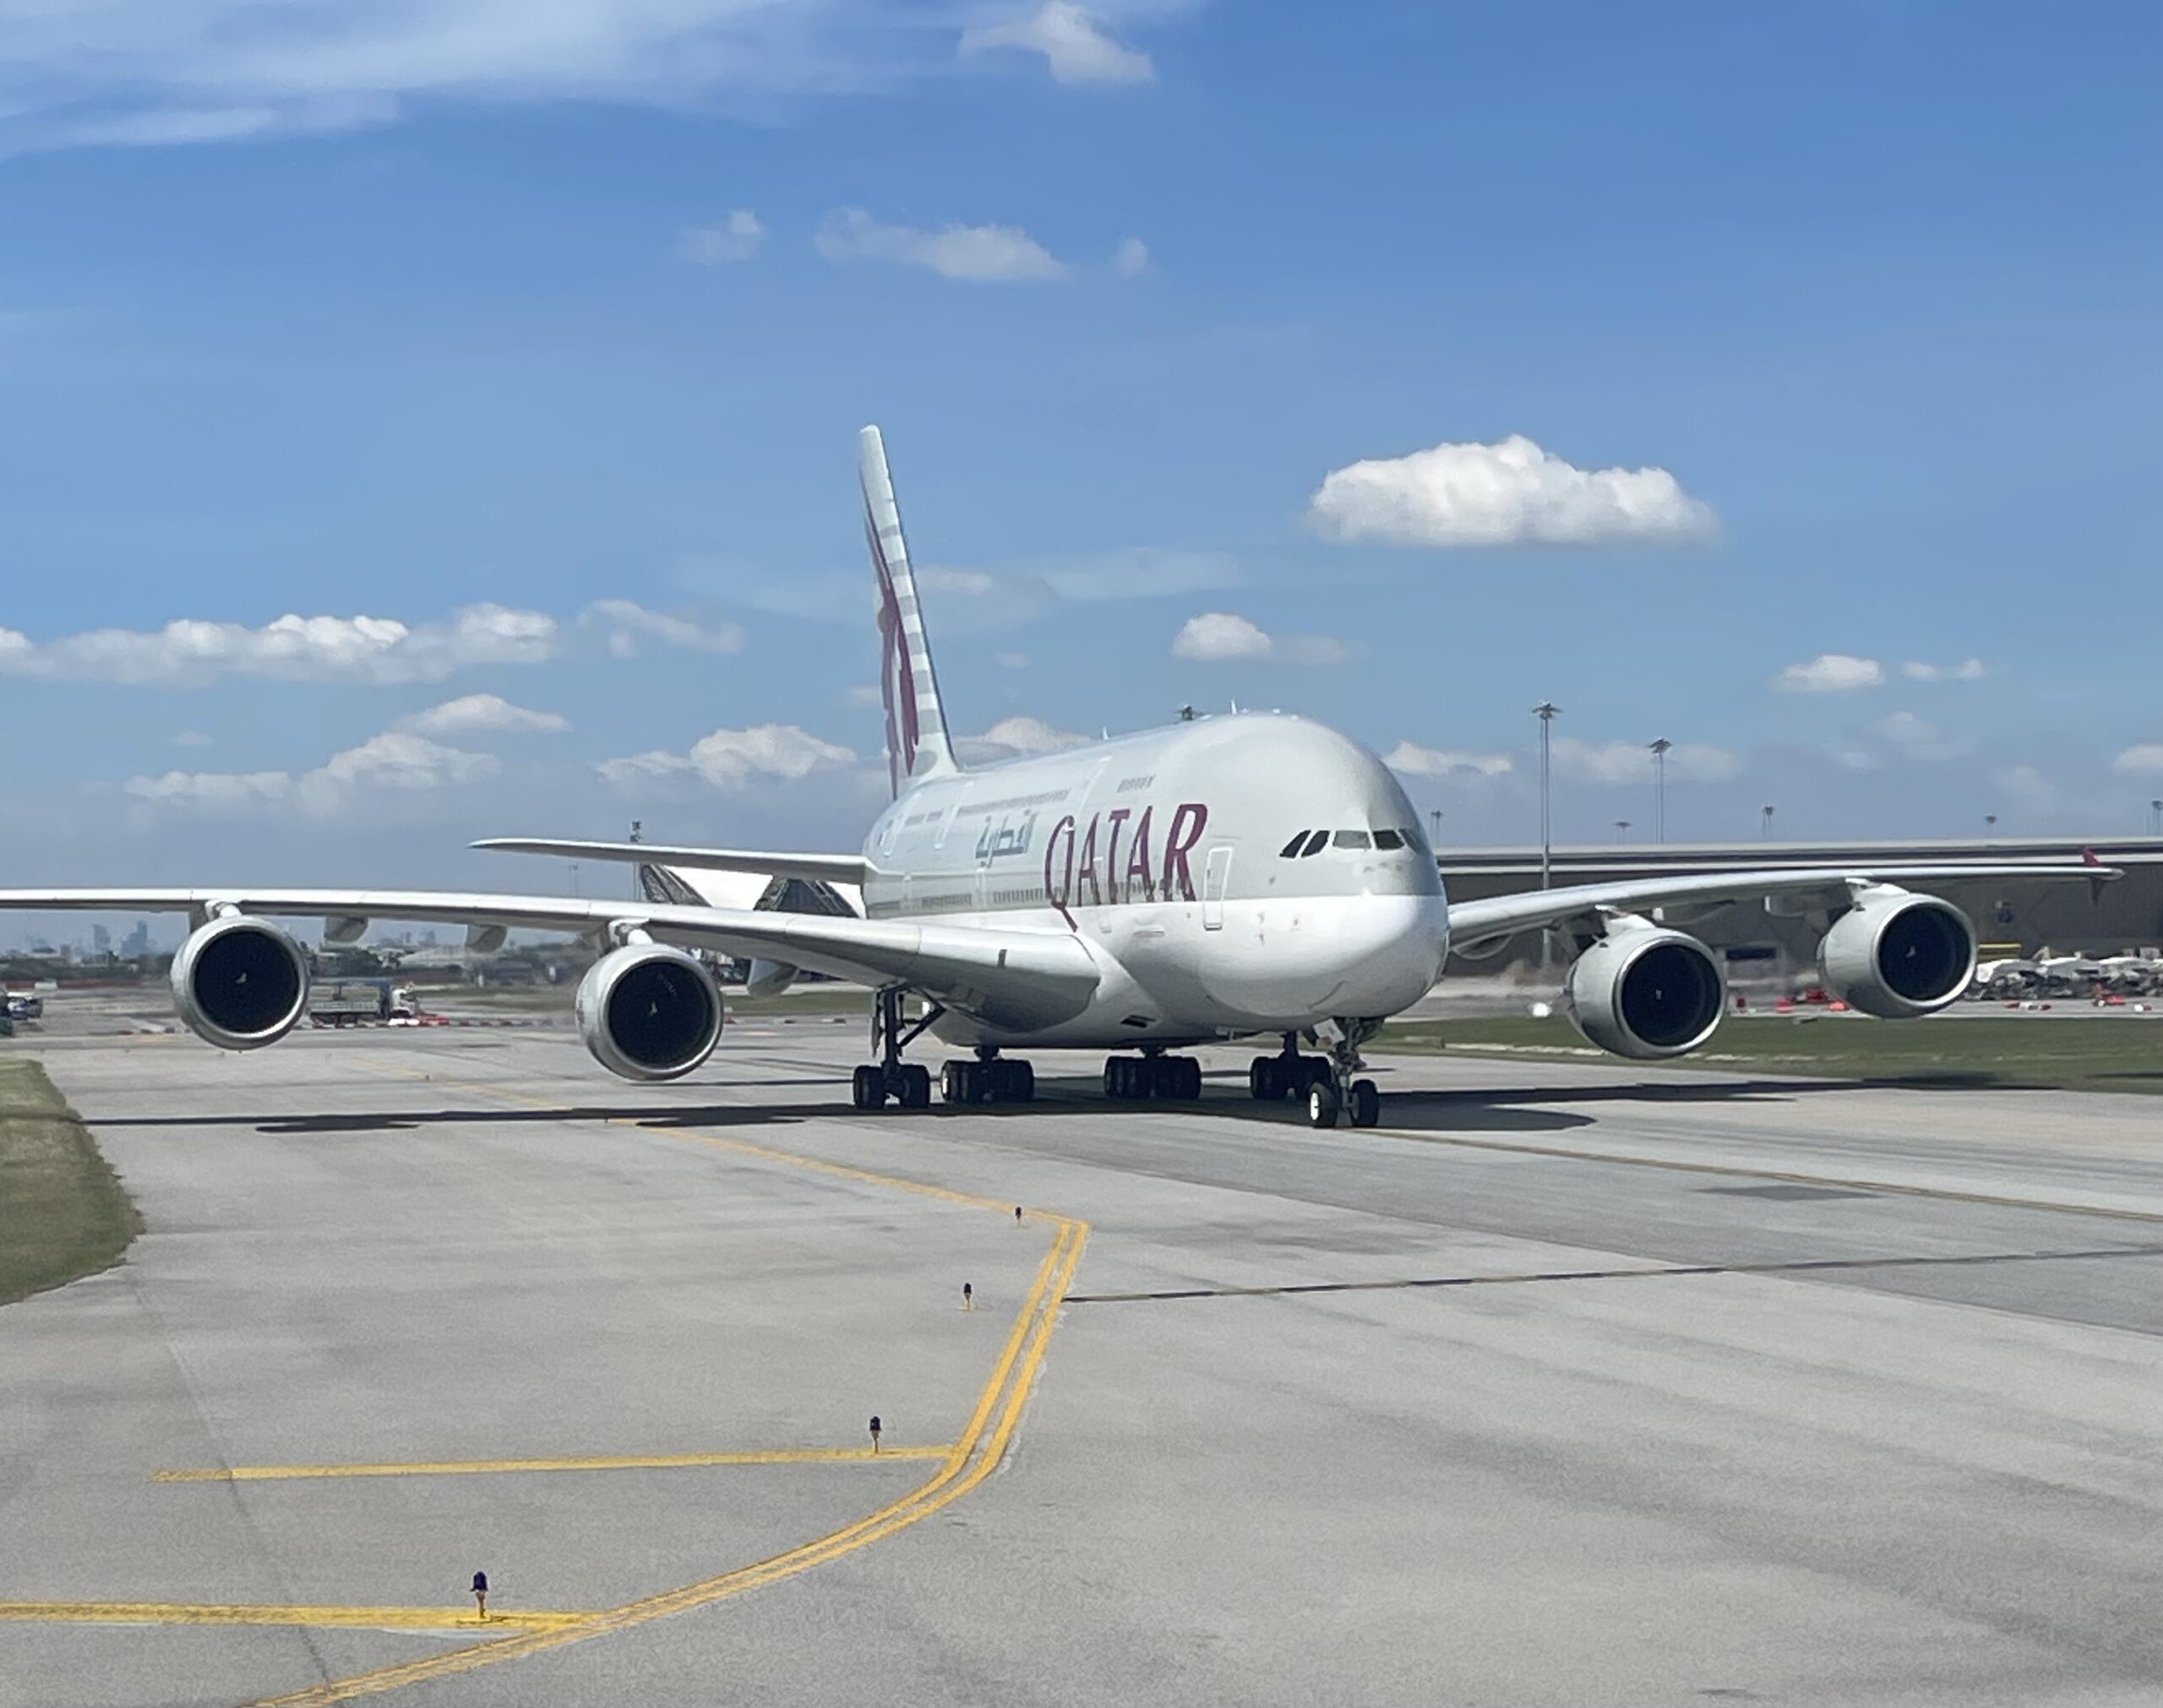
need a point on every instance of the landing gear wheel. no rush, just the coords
(950, 1075)
(1189, 1082)
(1322, 1104)
(866, 1087)
(1261, 1079)
(1016, 1082)
(916, 1086)
(1366, 1103)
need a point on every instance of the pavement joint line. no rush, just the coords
(211, 1613)
(970, 1459)
(629, 1461)
(1737, 1171)
(1800, 1265)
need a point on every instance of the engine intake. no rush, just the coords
(648, 1012)
(1898, 956)
(1646, 992)
(240, 983)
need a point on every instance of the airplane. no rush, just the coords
(1259, 875)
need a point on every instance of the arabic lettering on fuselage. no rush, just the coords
(1005, 838)
(1113, 859)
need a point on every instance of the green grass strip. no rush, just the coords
(63, 1212)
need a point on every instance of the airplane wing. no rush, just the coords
(830, 869)
(1011, 978)
(1487, 922)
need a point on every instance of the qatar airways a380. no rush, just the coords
(1249, 876)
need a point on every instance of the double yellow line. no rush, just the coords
(972, 1458)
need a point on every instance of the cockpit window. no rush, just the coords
(1316, 844)
(1388, 839)
(1290, 851)
(1352, 839)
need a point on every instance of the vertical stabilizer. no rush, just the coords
(915, 727)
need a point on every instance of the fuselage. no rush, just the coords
(1257, 873)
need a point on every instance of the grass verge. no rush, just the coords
(2100, 1053)
(63, 1212)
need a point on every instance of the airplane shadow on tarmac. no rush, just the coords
(1511, 1109)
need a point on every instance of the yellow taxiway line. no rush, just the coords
(624, 1461)
(196, 1613)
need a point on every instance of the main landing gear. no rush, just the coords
(1324, 1083)
(990, 1079)
(1167, 1078)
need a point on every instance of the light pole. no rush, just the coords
(2156, 807)
(1435, 818)
(1990, 823)
(1546, 712)
(1621, 828)
(1659, 788)
(1765, 824)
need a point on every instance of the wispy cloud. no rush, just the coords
(1412, 760)
(397, 761)
(729, 759)
(484, 714)
(1077, 48)
(1971, 670)
(1510, 493)
(737, 238)
(627, 625)
(980, 254)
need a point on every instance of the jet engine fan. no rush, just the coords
(240, 983)
(648, 1012)
(1896, 955)
(1646, 992)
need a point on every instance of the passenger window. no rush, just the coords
(1388, 839)
(1316, 844)
(1352, 839)
(1290, 851)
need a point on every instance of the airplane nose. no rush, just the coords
(1358, 956)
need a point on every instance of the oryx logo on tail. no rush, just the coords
(916, 730)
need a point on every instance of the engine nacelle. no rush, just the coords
(766, 978)
(240, 983)
(1898, 955)
(1645, 991)
(648, 1012)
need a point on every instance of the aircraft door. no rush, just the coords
(1214, 879)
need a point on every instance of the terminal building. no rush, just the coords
(2011, 918)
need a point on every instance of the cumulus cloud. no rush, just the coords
(2142, 757)
(1218, 635)
(1512, 493)
(396, 760)
(736, 238)
(377, 649)
(1076, 47)
(1971, 670)
(627, 624)
(142, 73)
(1412, 761)
(1014, 738)
(1632, 762)
(982, 254)
(1831, 672)
(730, 758)
(478, 713)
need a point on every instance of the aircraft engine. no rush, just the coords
(1646, 992)
(240, 983)
(1896, 955)
(648, 1012)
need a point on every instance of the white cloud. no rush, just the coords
(729, 759)
(1512, 493)
(190, 738)
(396, 760)
(1969, 671)
(476, 714)
(1442, 762)
(1130, 260)
(979, 254)
(1074, 46)
(736, 238)
(1632, 762)
(628, 625)
(1013, 738)
(1831, 672)
(1218, 635)
(2146, 756)
(378, 649)
(171, 72)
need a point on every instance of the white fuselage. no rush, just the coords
(1178, 858)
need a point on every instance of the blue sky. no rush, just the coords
(572, 308)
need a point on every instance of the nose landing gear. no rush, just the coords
(1325, 1082)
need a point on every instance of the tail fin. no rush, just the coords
(916, 728)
